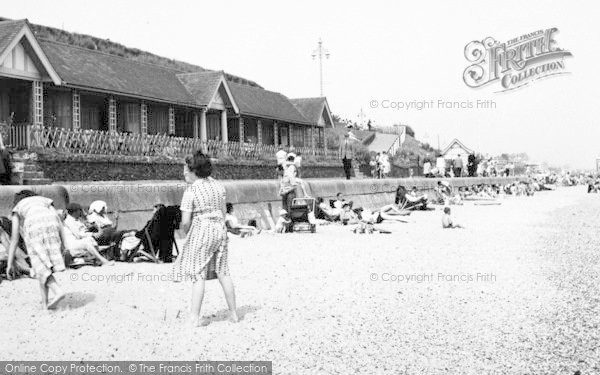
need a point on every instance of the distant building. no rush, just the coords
(456, 148)
(51, 85)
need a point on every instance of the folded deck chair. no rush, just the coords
(157, 238)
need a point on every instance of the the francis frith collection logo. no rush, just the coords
(515, 63)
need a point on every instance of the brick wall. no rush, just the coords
(104, 168)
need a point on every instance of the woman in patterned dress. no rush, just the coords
(204, 254)
(37, 221)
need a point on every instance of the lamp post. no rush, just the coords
(320, 52)
(361, 118)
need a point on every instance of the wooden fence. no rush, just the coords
(93, 142)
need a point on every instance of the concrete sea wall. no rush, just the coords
(253, 199)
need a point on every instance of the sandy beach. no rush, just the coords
(515, 292)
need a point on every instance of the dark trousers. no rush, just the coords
(286, 200)
(347, 167)
(471, 169)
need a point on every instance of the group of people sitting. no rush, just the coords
(93, 237)
(86, 237)
(343, 211)
(593, 184)
(446, 195)
(479, 192)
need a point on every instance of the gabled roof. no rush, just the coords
(456, 141)
(204, 87)
(8, 31)
(87, 69)
(313, 109)
(12, 32)
(254, 101)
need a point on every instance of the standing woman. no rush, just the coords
(37, 220)
(288, 184)
(204, 254)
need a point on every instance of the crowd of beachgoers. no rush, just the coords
(39, 240)
(340, 210)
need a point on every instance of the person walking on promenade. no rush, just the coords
(346, 153)
(43, 233)
(385, 165)
(281, 157)
(298, 164)
(471, 165)
(441, 166)
(204, 255)
(5, 164)
(427, 168)
(458, 166)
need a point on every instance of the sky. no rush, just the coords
(380, 52)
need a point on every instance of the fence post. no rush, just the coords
(28, 136)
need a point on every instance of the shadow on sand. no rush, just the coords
(76, 300)
(223, 315)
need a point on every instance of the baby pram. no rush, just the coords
(299, 215)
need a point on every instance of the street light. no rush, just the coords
(320, 52)
(361, 118)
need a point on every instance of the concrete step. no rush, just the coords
(37, 181)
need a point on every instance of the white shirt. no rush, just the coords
(338, 204)
(326, 208)
(100, 221)
(427, 167)
(281, 223)
(447, 221)
(298, 161)
(281, 155)
(75, 229)
(385, 162)
(441, 164)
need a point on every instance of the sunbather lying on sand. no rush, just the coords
(324, 211)
(378, 216)
(394, 210)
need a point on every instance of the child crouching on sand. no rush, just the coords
(283, 223)
(447, 221)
